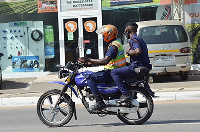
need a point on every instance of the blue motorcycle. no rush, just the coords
(55, 107)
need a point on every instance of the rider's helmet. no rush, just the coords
(109, 32)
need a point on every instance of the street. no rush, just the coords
(168, 116)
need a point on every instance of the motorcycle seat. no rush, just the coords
(142, 71)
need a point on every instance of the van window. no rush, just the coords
(163, 34)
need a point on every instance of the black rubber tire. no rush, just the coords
(65, 99)
(184, 75)
(149, 102)
(39, 37)
(1, 80)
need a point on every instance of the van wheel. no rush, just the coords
(184, 75)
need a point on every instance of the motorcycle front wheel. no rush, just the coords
(58, 116)
(145, 108)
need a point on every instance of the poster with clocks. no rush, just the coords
(21, 39)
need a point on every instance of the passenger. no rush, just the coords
(114, 58)
(138, 53)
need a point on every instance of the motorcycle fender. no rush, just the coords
(58, 82)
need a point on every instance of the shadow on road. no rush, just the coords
(164, 79)
(13, 85)
(16, 83)
(172, 122)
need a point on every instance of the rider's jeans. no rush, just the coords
(98, 77)
(123, 72)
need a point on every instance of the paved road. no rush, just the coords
(168, 116)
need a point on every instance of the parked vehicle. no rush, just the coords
(56, 107)
(169, 46)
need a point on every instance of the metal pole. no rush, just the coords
(183, 9)
(172, 10)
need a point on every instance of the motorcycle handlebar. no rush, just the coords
(71, 65)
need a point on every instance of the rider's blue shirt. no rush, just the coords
(112, 51)
(143, 58)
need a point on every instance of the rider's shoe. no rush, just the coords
(125, 97)
(99, 103)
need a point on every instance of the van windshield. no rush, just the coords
(163, 34)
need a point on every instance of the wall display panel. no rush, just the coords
(17, 39)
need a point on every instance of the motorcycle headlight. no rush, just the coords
(63, 73)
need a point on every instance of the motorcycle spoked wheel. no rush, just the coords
(59, 116)
(145, 108)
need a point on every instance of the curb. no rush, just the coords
(160, 96)
(173, 96)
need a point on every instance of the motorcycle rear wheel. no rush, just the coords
(59, 116)
(145, 108)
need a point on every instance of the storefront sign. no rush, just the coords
(20, 24)
(25, 64)
(124, 2)
(192, 13)
(187, 2)
(78, 5)
(47, 6)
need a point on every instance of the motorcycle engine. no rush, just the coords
(91, 100)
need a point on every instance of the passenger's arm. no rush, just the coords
(135, 52)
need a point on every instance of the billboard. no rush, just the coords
(9, 7)
(47, 6)
(125, 2)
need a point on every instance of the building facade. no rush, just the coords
(35, 35)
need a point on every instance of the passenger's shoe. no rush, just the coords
(99, 103)
(125, 97)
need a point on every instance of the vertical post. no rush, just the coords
(183, 10)
(172, 9)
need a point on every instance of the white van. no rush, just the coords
(168, 45)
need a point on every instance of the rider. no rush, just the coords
(138, 53)
(114, 58)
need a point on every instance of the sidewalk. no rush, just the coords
(24, 89)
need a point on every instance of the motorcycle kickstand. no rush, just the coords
(73, 105)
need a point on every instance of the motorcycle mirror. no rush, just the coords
(88, 51)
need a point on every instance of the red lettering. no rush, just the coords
(197, 15)
(194, 14)
(191, 15)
